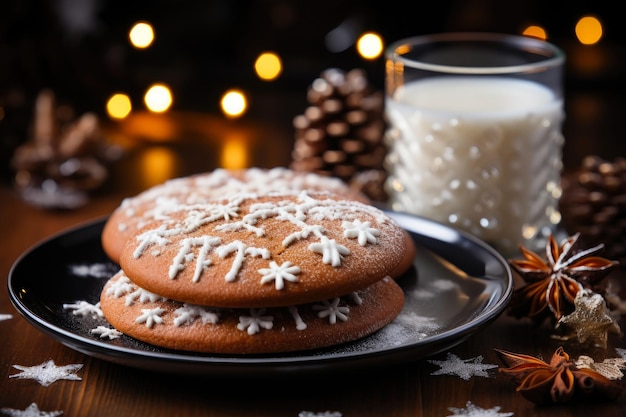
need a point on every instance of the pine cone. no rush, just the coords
(594, 204)
(341, 133)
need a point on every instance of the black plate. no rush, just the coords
(457, 286)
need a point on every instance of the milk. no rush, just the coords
(479, 153)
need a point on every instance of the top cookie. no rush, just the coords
(160, 201)
(249, 250)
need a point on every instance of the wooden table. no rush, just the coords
(107, 389)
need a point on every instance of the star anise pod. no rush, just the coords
(559, 381)
(552, 284)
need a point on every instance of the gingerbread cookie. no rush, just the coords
(160, 201)
(171, 324)
(248, 250)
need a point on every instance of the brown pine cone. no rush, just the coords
(594, 204)
(341, 133)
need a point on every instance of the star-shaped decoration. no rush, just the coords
(5, 317)
(463, 368)
(472, 410)
(30, 411)
(47, 372)
(610, 368)
(591, 320)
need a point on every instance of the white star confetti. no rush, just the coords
(621, 352)
(471, 410)
(30, 411)
(106, 332)
(83, 308)
(463, 368)
(5, 317)
(94, 270)
(48, 372)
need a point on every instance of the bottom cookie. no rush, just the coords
(171, 324)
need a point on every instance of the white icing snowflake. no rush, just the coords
(47, 372)
(6, 317)
(472, 410)
(143, 296)
(463, 368)
(255, 321)
(331, 251)
(300, 324)
(150, 316)
(332, 310)
(362, 231)
(120, 286)
(279, 273)
(106, 332)
(188, 313)
(83, 308)
(31, 411)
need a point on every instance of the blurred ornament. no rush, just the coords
(591, 321)
(63, 160)
(341, 133)
(594, 204)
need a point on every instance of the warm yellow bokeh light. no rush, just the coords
(234, 103)
(141, 35)
(234, 154)
(536, 32)
(157, 164)
(268, 66)
(588, 30)
(158, 98)
(119, 106)
(370, 45)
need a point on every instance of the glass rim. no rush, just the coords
(554, 58)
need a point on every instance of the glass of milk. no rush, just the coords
(474, 134)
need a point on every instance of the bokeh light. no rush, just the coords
(158, 98)
(141, 35)
(119, 106)
(535, 32)
(268, 66)
(234, 103)
(588, 30)
(370, 45)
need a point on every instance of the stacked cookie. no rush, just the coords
(253, 268)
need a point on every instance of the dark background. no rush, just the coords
(79, 48)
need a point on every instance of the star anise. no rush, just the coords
(559, 381)
(552, 284)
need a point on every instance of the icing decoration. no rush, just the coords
(255, 321)
(361, 231)
(150, 316)
(332, 310)
(188, 313)
(301, 213)
(279, 274)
